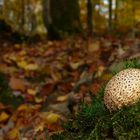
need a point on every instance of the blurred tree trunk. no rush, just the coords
(90, 17)
(116, 11)
(110, 16)
(24, 16)
(133, 12)
(61, 17)
(46, 13)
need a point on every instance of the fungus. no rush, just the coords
(123, 89)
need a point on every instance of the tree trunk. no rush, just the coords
(133, 12)
(64, 17)
(116, 11)
(24, 16)
(46, 13)
(110, 16)
(90, 17)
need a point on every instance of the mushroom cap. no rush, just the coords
(123, 89)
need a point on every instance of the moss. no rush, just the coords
(57, 137)
(132, 63)
(91, 114)
(121, 125)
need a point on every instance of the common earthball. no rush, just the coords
(123, 89)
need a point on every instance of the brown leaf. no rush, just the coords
(65, 87)
(95, 87)
(56, 76)
(47, 89)
(93, 46)
(17, 84)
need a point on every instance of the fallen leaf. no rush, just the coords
(31, 67)
(50, 117)
(75, 65)
(47, 89)
(4, 116)
(46, 70)
(99, 71)
(107, 76)
(17, 46)
(14, 134)
(17, 84)
(62, 98)
(22, 64)
(7, 69)
(95, 87)
(31, 91)
(56, 76)
(65, 87)
(93, 46)
(22, 107)
(38, 100)
(27, 66)
(40, 127)
(13, 57)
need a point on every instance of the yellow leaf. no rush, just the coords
(106, 77)
(13, 134)
(22, 107)
(31, 67)
(62, 98)
(13, 58)
(3, 116)
(38, 100)
(28, 107)
(22, 64)
(100, 71)
(31, 92)
(52, 118)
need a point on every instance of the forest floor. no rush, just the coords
(52, 78)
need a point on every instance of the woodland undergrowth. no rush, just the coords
(95, 122)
